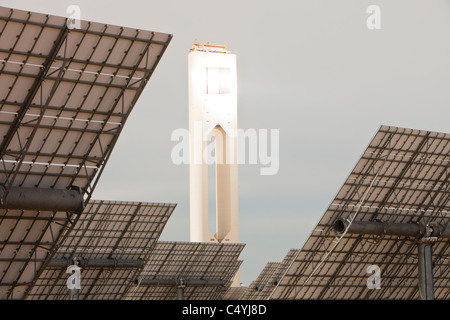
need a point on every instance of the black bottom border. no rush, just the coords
(225, 309)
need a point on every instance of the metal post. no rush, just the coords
(426, 286)
(180, 289)
(180, 293)
(74, 294)
(73, 282)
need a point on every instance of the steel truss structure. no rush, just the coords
(262, 287)
(265, 278)
(111, 242)
(65, 96)
(202, 271)
(235, 293)
(402, 177)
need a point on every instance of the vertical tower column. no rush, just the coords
(198, 186)
(227, 223)
(213, 111)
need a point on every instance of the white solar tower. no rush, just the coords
(213, 111)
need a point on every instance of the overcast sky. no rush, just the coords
(310, 68)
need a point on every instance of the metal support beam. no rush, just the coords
(426, 285)
(180, 284)
(97, 263)
(427, 233)
(177, 282)
(41, 199)
(395, 229)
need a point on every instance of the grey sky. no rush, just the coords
(309, 68)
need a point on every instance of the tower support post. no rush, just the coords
(426, 283)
